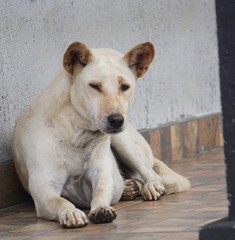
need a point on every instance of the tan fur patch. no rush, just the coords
(111, 104)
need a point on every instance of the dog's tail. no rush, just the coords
(172, 181)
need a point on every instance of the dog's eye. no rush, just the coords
(124, 87)
(95, 86)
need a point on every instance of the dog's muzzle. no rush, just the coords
(115, 123)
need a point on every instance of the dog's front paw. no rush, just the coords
(131, 190)
(152, 190)
(102, 214)
(72, 218)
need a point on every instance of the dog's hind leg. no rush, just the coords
(137, 155)
(173, 182)
(131, 190)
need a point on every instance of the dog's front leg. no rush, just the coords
(137, 155)
(107, 184)
(50, 205)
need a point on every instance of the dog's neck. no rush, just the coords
(74, 128)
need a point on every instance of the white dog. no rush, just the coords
(62, 143)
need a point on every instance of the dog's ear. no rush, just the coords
(76, 54)
(139, 58)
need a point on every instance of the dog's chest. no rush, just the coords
(77, 150)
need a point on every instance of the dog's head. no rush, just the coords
(104, 82)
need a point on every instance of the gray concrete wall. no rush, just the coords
(182, 82)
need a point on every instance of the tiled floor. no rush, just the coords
(177, 216)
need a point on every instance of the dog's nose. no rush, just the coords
(116, 120)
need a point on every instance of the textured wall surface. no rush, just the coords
(181, 83)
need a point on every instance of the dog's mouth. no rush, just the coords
(113, 130)
(113, 124)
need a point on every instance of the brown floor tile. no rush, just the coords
(190, 137)
(173, 217)
(184, 235)
(11, 189)
(221, 136)
(166, 154)
(176, 143)
(209, 136)
(155, 143)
